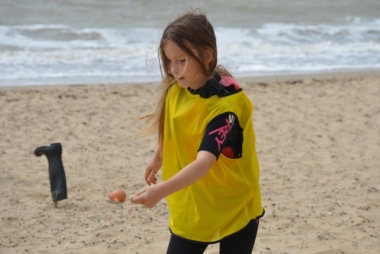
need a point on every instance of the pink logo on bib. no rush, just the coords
(223, 131)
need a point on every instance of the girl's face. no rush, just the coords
(183, 67)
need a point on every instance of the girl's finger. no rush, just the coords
(147, 175)
(139, 199)
(142, 191)
(152, 179)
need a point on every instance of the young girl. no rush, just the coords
(206, 146)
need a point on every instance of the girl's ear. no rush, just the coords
(209, 56)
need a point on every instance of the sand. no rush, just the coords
(318, 142)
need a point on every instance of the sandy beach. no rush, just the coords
(318, 142)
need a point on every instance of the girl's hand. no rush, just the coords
(152, 168)
(148, 196)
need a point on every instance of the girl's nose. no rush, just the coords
(174, 68)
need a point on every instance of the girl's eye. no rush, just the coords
(182, 61)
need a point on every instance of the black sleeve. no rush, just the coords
(223, 135)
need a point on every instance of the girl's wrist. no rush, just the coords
(157, 154)
(163, 190)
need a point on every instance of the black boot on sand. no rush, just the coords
(56, 171)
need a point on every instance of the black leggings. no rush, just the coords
(241, 242)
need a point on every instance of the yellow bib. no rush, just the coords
(228, 197)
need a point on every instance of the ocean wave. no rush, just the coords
(62, 36)
(56, 50)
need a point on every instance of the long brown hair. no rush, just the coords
(189, 31)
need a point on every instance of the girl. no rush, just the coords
(206, 146)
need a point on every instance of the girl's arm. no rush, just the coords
(149, 196)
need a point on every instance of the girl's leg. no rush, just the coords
(242, 242)
(181, 246)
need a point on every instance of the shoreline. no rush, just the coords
(264, 78)
(314, 75)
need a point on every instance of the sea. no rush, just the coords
(52, 42)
